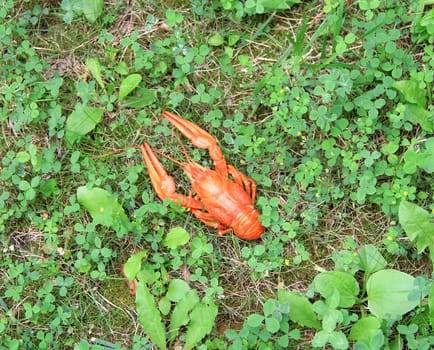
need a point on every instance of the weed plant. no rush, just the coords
(327, 105)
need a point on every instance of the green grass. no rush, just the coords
(326, 105)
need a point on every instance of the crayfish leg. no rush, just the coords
(209, 220)
(246, 182)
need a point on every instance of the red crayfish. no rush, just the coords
(220, 201)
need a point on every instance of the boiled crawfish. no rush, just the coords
(219, 201)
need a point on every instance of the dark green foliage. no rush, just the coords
(329, 107)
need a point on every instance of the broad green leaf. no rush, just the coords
(421, 158)
(177, 289)
(331, 282)
(175, 237)
(102, 206)
(275, 4)
(180, 313)
(133, 264)
(149, 316)
(371, 259)
(411, 92)
(419, 115)
(418, 226)
(95, 69)
(300, 309)
(142, 98)
(365, 329)
(411, 161)
(388, 293)
(201, 322)
(128, 85)
(216, 40)
(426, 162)
(92, 9)
(81, 121)
(431, 306)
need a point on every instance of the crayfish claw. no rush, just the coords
(163, 183)
(199, 138)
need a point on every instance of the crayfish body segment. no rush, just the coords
(219, 202)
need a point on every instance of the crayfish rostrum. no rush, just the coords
(223, 197)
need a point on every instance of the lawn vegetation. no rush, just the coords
(327, 105)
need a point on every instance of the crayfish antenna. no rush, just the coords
(115, 151)
(182, 146)
(169, 157)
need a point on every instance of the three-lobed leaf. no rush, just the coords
(200, 247)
